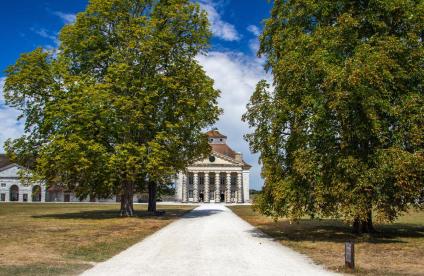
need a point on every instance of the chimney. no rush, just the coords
(239, 157)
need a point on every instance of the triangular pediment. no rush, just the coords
(216, 158)
(10, 171)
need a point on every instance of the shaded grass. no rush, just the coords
(397, 249)
(65, 239)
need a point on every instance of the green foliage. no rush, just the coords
(341, 132)
(123, 102)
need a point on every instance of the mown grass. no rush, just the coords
(65, 239)
(397, 249)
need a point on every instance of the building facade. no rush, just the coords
(11, 188)
(221, 177)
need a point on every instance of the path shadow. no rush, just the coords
(336, 232)
(113, 214)
(197, 213)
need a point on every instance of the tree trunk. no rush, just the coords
(152, 196)
(127, 208)
(363, 226)
(367, 225)
(356, 227)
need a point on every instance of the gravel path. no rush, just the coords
(210, 240)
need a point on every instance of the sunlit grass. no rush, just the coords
(52, 239)
(397, 249)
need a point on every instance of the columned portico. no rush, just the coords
(223, 184)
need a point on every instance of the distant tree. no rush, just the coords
(340, 134)
(121, 105)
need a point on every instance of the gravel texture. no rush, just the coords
(210, 240)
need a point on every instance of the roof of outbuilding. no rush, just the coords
(4, 160)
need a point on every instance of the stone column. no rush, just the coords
(239, 188)
(30, 193)
(7, 193)
(43, 193)
(217, 193)
(184, 188)
(228, 186)
(195, 187)
(206, 185)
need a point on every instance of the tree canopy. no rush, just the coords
(340, 133)
(121, 104)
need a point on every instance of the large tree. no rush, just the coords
(340, 133)
(121, 105)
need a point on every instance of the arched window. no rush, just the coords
(36, 193)
(14, 193)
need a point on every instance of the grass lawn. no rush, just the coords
(65, 239)
(398, 249)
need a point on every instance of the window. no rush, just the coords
(2, 197)
(190, 179)
(25, 197)
(3, 185)
(220, 139)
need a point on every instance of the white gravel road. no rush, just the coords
(210, 240)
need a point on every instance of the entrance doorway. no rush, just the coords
(212, 195)
(67, 198)
(222, 197)
(201, 197)
(36, 193)
(14, 193)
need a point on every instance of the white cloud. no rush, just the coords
(254, 30)
(53, 37)
(220, 28)
(254, 45)
(67, 18)
(9, 127)
(254, 42)
(236, 75)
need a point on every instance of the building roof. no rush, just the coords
(215, 134)
(224, 149)
(4, 160)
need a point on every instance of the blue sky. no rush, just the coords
(231, 62)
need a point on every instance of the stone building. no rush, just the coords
(221, 177)
(11, 188)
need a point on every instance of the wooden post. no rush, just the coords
(350, 255)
